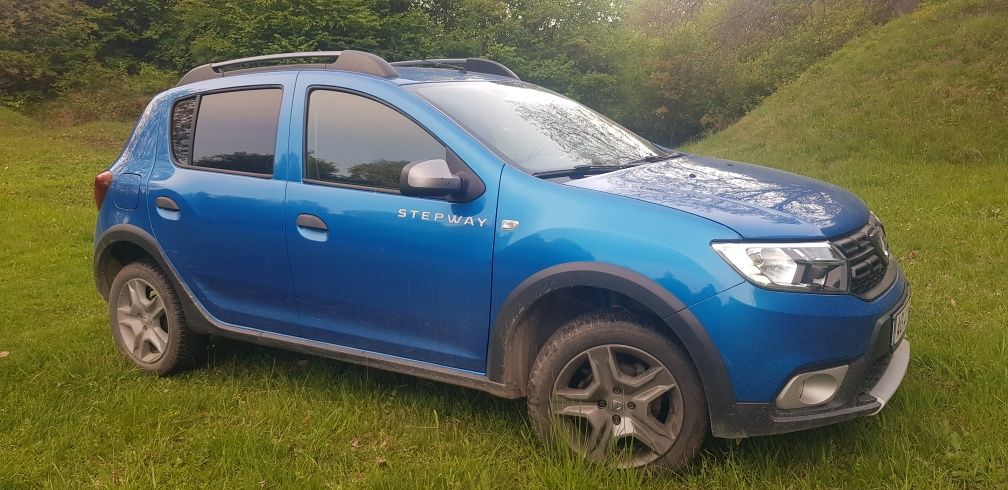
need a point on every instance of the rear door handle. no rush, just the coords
(166, 203)
(311, 222)
(167, 208)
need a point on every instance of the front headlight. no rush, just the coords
(812, 266)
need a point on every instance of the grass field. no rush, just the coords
(913, 117)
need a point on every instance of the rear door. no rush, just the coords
(373, 269)
(217, 197)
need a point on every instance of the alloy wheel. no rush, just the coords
(141, 320)
(619, 403)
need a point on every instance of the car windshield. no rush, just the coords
(534, 128)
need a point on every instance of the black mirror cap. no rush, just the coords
(457, 184)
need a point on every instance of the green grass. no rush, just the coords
(913, 118)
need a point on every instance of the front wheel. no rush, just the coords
(616, 391)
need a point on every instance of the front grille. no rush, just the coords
(865, 252)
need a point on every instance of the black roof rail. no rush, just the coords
(347, 60)
(477, 65)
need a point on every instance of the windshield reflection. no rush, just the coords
(535, 129)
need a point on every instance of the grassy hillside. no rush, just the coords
(912, 117)
(931, 87)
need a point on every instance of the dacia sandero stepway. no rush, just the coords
(444, 219)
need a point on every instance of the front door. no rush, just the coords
(373, 269)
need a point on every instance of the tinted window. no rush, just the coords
(359, 141)
(183, 116)
(534, 128)
(237, 130)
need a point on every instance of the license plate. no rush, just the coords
(899, 323)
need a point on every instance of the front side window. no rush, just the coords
(358, 141)
(234, 131)
(535, 129)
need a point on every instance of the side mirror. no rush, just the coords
(430, 178)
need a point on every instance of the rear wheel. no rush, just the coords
(147, 322)
(615, 391)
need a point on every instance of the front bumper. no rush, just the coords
(809, 342)
(760, 419)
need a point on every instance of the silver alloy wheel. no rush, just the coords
(142, 323)
(619, 402)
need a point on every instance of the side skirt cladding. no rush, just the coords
(201, 321)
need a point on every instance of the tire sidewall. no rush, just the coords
(595, 330)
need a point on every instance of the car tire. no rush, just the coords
(147, 321)
(645, 409)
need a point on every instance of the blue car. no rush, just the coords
(444, 219)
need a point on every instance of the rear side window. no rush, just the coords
(234, 131)
(358, 141)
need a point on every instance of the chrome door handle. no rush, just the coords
(311, 222)
(166, 203)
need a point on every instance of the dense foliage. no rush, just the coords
(671, 69)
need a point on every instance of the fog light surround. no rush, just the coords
(812, 389)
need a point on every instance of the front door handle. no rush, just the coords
(166, 203)
(311, 222)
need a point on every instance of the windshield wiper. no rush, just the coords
(585, 170)
(657, 158)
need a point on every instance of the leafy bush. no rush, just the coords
(199, 31)
(105, 93)
(40, 42)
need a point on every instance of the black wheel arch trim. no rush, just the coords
(118, 234)
(199, 320)
(502, 368)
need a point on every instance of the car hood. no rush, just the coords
(755, 201)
